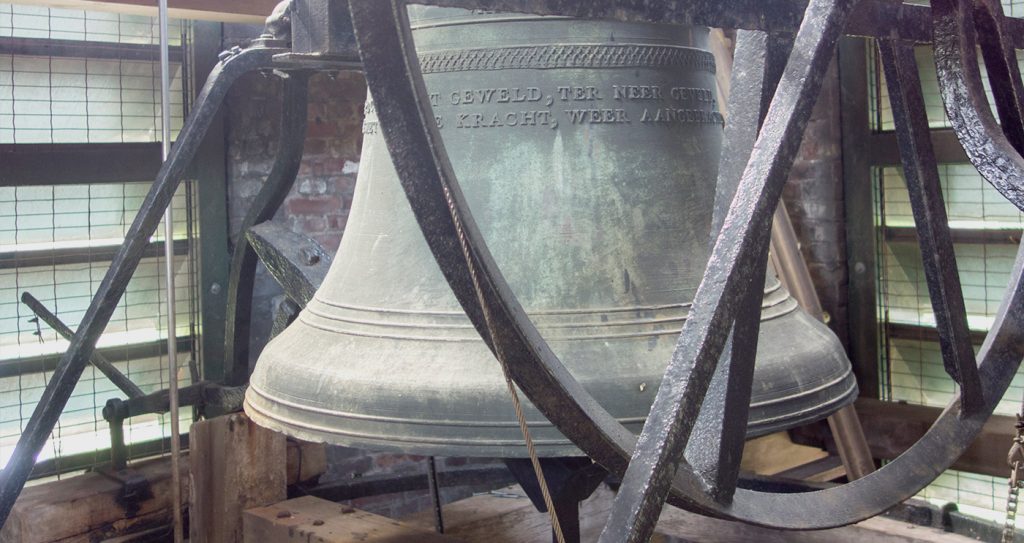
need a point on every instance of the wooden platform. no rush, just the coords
(313, 520)
(508, 516)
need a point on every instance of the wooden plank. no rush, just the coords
(86, 508)
(236, 465)
(508, 516)
(308, 519)
(891, 428)
(775, 453)
(227, 11)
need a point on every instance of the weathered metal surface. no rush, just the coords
(105, 366)
(569, 480)
(393, 80)
(963, 94)
(322, 29)
(442, 210)
(202, 395)
(590, 149)
(297, 262)
(715, 453)
(870, 18)
(1000, 54)
(291, 142)
(921, 172)
(741, 244)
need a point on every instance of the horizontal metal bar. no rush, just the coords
(44, 314)
(1009, 236)
(900, 330)
(204, 394)
(77, 163)
(79, 255)
(883, 149)
(45, 47)
(86, 460)
(35, 364)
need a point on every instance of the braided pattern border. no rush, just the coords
(566, 56)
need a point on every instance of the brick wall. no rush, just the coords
(814, 199)
(318, 203)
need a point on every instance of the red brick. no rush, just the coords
(311, 225)
(314, 206)
(315, 146)
(329, 242)
(337, 222)
(321, 128)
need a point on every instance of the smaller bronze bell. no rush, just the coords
(588, 151)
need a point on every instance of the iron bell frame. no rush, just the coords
(763, 133)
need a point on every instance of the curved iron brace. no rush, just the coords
(406, 119)
(956, 61)
(83, 344)
(291, 142)
(997, 47)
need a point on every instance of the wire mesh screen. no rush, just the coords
(986, 230)
(82, 100)
(56, 241)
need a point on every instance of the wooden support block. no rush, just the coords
(87, 508)
(236, 465)
(308, 519)
(306, 460)
(775, 453)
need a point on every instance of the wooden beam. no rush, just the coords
(236, 465)
(88, 507)
(891, 428)
(226, 11)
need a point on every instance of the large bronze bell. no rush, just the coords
(588, 151)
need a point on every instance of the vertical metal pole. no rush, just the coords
(435, 494)
(172, 332)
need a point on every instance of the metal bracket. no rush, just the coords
(135, 489)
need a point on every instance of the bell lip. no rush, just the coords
(288, 421)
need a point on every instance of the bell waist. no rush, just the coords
(636, 321)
